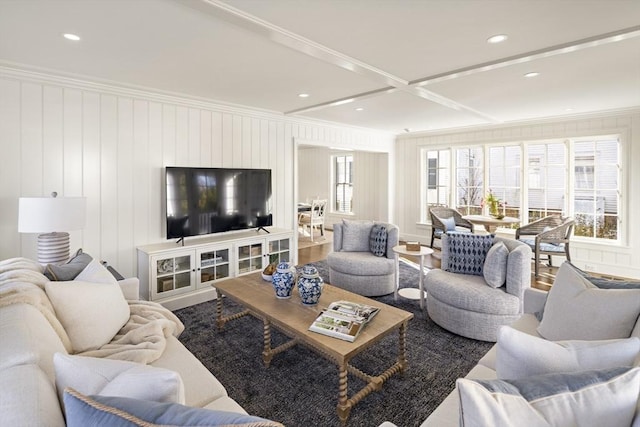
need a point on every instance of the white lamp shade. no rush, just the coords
(51, 214)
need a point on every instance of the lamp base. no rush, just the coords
(53, 248)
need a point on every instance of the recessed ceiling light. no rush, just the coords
(70, 36)
(532, 74)
(407, 130)
(303, 95)
(359, 109)
(568, 109)
(498, 38)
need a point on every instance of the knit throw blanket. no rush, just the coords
(142, 339)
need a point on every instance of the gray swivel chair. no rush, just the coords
(352, 266)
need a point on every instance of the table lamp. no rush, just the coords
(54, 217)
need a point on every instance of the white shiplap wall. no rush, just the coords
(110, 144)
(623, 260)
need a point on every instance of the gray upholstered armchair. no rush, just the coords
(352, 265)
(475, 305)
(445, 219)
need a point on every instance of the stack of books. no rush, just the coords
(344, 320)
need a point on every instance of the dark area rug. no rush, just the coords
(300, 388)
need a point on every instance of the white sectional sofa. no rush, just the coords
(594, 326)
(30, 336)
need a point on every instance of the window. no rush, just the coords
(469, 180)
(504, 178)
(547, 170)
(596, 178)
(578, 177)
(436, 181)
(343, 181)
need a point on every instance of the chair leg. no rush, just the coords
(537, 263)
(433, 235)
(550, 261)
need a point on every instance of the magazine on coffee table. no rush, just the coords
(343, 319)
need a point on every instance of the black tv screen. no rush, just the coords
(212, 200)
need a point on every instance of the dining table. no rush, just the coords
(491, 223)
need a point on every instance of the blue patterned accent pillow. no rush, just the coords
(465, 252)
(378, 240)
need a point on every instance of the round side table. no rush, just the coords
(411, 293)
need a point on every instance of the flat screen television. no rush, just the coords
(213, 200)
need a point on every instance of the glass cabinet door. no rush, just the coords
(249, 258)
(279, 250)
(213, 265)
(172, 274)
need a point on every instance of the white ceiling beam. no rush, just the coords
(560, 49)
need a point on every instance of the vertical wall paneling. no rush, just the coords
(109, 178)
(112, 146)
(155, 175)
(256, 149)
(183, 142)
(91, 167)
(53, 148)
(10, 185)
(226, 152)
(194, 137)
(169, 136)
(205, 139)
(125, 151)
(142, 164)
(216, 139)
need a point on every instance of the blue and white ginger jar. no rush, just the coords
(310, 285)
(284, 279)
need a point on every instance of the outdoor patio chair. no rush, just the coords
(547, 236)
(445, 219)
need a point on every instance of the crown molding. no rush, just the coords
(86, 83)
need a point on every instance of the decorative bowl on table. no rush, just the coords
(267, 277)
(497, 216)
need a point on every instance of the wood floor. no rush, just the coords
(320, 252)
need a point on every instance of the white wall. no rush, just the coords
(110, 144)
(370, 182)
(621, 260)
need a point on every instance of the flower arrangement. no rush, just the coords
(493, 204)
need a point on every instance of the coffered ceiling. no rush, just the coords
(390, 65)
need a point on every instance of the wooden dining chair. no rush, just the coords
(314, 217)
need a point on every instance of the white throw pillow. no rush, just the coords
(107, 377)
(95, 272)
(520, 355)
(91, 313)
(576, 309)
(495, 265)
(586, 399)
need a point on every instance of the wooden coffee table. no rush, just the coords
(293, 318)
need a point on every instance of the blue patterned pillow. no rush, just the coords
(378, 240)
(465, 252)
(83, 411)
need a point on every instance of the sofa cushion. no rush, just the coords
(527, 323)
(91, 313)
(70, 270)
(362, 264)
(84, 411)
(520, 355)
(355, 235)
(200, 386)
(95, 272)
(28, 398)
(378, 240)
(465, 252)
(494, 270)
(26, 336)
(587, 398)
(577, 309)
(107, 377)
(468, 292)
